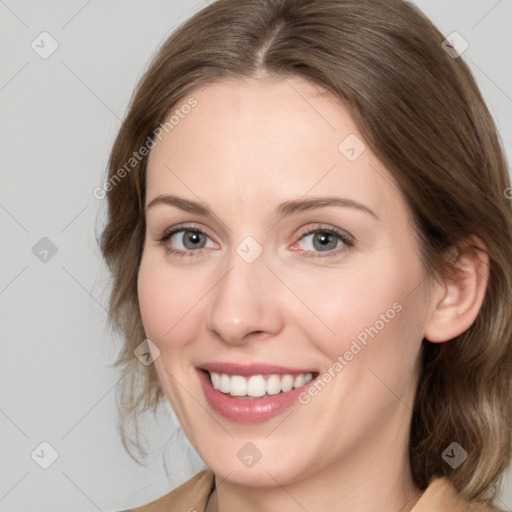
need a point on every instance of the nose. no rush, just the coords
(245, 303)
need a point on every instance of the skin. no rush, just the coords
(247, 147)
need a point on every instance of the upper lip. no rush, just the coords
(251, 369)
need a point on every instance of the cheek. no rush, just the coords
(376, 304)
(173, 300)
(170, 300)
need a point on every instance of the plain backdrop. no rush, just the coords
(67, 71)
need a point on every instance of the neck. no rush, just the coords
(371, 478)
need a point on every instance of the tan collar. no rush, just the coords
(440, 496)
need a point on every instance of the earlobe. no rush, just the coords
(457, 300)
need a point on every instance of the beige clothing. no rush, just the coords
(192, 496)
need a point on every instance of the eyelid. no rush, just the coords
(169, 231)
(327, 228)
(347, 239)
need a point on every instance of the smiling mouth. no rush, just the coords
(257, 386)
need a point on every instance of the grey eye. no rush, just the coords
(321, 241)
(189, 239)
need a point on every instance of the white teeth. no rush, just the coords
(299, 381)
(225, 383)
(273, 385)
(258, 385)
(238, 386)
(287, 383)
(215, 380)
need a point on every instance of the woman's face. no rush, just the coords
(294, 257)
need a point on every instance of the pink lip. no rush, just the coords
(243, 410)
(251, 369)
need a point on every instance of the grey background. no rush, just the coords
(59, 117)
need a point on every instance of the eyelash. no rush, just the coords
(347, 241)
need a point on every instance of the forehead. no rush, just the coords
(264, 118)
(265, 141)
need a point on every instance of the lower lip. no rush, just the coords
(246, 410)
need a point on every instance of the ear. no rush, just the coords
(457, 299)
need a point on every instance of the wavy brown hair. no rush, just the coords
(421, 112)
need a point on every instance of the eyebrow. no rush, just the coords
(287, 208)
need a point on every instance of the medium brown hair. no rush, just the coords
(421, 112)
